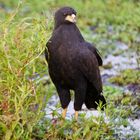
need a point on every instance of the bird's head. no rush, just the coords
(65, 15)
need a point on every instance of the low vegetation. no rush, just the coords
(128, 76)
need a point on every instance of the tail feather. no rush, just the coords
(93, 99)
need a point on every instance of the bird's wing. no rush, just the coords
(54, 41)
(88, 65)
(93, 49)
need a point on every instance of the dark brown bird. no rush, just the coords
(73, 64)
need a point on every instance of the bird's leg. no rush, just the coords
(64, 95)
(80, 92)
(64, 113)
(76, 115)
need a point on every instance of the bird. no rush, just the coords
(73, 64)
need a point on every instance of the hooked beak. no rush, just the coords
(71, 18)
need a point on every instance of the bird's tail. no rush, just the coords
(94, 99)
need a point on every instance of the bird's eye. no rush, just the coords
(64, 14)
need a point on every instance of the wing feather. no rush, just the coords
(95, 51)
(88, 65)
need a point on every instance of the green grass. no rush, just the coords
(21, 100)
(128, 76)
(25, 26)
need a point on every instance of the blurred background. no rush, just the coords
(29, 104)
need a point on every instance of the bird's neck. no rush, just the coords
(57, 25)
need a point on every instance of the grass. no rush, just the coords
(128, 76)
(21, 99)
(25, 26)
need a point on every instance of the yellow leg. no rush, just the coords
(76, 115)
(64, 113)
